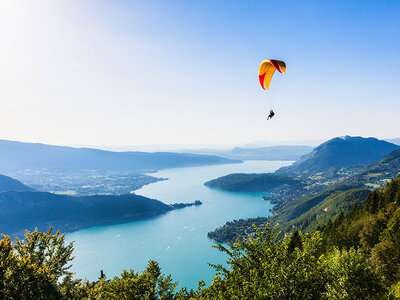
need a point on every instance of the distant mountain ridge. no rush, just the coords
(279, 152)
(270, 153)
(20, 156)
(394, 141)
(341, 152)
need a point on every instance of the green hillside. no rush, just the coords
(375, 228)
(297, 207)
(328, 209)
(27, 210)
(252, 182)
(379, 173)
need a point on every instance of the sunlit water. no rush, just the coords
(177, 240)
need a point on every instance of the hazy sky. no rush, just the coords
(186, 72)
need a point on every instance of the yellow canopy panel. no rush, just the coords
(267, 69)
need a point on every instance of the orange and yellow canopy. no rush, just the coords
(267, 69)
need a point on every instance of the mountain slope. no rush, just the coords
(297, 207)
(27, 210)
(382, 171)
(331, 207)
(20, 156)
(341, 152)
(252, 182)
(316, 210)
(10, 184)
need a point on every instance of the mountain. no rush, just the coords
(373, 228)
(16, 156)
(262, 144)
(27, 210)
(270, 153)
(283, 152)
(341, 152)
(252, 182)
(10, 184)
(394, 141)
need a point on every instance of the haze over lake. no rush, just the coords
(177, 240)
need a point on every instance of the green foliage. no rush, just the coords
(46, 250)
(237, 229)
(148, 285)
(31, 269)
(352, 276)
(38, 268)
(268, 267)
(395, 291)
(373, 228)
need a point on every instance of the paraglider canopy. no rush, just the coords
(267, 69)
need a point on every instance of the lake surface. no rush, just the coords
(177, 240)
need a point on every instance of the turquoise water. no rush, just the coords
(178, 239)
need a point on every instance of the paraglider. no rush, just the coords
(265, 73)
(271, 114)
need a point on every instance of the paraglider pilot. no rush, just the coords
(271, 114)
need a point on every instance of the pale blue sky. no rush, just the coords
(186, 72)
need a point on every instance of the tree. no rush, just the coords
(352, 276)
(30, 269)
(151, 284)
(266, 267)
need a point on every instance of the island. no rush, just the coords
(182, 205)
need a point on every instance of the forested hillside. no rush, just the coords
(379, 173)
(252, 182)
(27, 210)
(374, 228)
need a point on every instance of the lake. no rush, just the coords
(177, 240)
